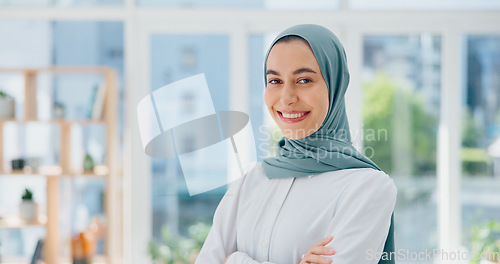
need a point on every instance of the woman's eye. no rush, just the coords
(304, 81)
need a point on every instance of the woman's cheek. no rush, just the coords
(268, 99)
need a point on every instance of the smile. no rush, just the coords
(293, 117)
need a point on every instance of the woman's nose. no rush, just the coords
(288, 95)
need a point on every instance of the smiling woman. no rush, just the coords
(296, 94)
(275, 214)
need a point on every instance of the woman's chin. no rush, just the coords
(297, 133)
(294, 137)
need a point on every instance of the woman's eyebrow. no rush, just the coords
(302, 70)
(272, 72)
(298, 71)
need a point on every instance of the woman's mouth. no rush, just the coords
(294, 116)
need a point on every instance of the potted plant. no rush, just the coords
(7, 106)
(28, 209)
(486, 242)
(88, 163)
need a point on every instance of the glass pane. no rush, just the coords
(38, 43)
(175, 57)
(29, 43)
(265, 4)
(481, 140)
(401, 97)
(424, 4)
(59, 3)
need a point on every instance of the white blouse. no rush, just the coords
(275, 221)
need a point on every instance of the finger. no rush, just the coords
(310, 258)
(325, 241)
(320, 250)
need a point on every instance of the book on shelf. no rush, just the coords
(97, 101)
(37, 255)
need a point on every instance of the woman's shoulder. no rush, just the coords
(251, 167)
(371, 178)
(250, 172)
(369, 173)
(362, 173)
(255, 172)
(366, 178)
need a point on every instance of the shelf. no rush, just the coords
(42, 170)
(52, 171)
(55, 175)
(15, 222)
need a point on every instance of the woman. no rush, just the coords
(319, 200)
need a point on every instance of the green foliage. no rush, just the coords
(175, 249)
(380, 96)
(470, 131)
(485, 238)
(198, 233)
(27, 195)
(476, 161)
(424, 127)
(5, 95)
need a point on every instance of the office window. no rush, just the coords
(401, 98)
(480, 153)
(174, 57)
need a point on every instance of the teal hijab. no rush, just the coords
(330, 147)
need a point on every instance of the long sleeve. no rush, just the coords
(362, 220)
(221, 240)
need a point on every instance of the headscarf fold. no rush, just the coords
(330, 147)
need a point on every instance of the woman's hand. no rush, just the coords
(314, 253)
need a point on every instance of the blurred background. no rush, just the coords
(423, 103)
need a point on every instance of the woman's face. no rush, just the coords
(296, 94)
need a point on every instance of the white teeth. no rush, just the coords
(292, 115)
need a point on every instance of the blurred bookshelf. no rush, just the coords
(106, 116)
